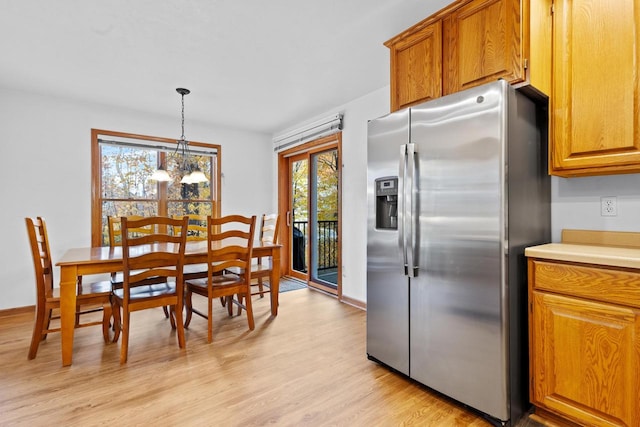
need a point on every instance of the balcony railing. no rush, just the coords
(327, 238)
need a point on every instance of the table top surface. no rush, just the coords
(92, 255)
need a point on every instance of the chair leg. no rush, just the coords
(229, 304)
(78, 309)
(166, 311)
(106, 322)
(124, 346)
(117, 322)
(239, 299)
(36, 336)
(188, 306)
(46, 323)
(172, 316)
(249, 310)
(260, 287)
(210, 319)
(177, 312)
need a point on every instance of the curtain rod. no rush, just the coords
(166, 148)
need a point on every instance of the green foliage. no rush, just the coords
(125, 173)
(324, 179)
(325, 174)
(300, 190)
(326, 167)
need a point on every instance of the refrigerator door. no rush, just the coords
(387, 286)
(457, 334)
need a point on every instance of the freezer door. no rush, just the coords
(387, 286)
(457, 335)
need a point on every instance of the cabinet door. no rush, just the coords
(595, 104)
(483, 42)
(585, 360)
(416, 67)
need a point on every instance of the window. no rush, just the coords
(122, 165)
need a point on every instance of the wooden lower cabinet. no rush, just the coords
(585, 354)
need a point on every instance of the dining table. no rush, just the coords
(79, 262)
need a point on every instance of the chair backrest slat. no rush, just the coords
(230, 242)
(157, 254)
(115, 229)
(197, 228)
(269, 228)
(41, 254)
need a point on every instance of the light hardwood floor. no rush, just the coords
(306, 367)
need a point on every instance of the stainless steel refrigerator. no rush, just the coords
(457, 188)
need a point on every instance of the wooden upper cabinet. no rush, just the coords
(484, 41)
(416, 66)
(469, 43)
(595, 106)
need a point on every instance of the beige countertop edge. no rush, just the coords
(589, 254)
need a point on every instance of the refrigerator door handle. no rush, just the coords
(413, 213)
(402, 176)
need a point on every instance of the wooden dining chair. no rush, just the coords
(115, 239)
(146, 258)
(196, 231)
(269, 229)
(229, 245)
(91, 297)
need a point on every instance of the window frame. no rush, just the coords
(96, 177)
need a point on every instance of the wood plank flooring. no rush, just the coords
(306, 367)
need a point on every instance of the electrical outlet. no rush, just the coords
(608, 206)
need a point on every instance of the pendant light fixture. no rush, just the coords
(189, 170)
(161, 175)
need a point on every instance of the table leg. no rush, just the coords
(274, 280)
(68, 284)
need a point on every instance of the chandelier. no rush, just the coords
(188, 168)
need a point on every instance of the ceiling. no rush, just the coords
(258, 65)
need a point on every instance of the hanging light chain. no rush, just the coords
(190, 170)
(191, 173)
(182, 143)
(182, 137)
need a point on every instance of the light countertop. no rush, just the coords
(589, 254)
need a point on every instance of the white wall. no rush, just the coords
(354, 189)
(575, 201)
(46, 171)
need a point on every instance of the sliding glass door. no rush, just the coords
(324, 189)
(312, 213)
